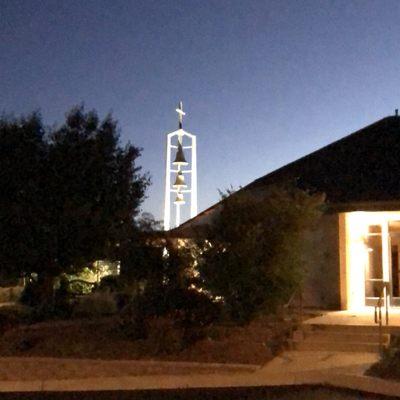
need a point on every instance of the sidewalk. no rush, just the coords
(55, 369)
(342, 370)
(302, 361)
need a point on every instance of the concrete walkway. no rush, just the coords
(302, 361)
(364, 317)
(343, 370)
(46, 368)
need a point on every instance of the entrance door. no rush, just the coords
(375, 268)
(394, 262)
(383, 261)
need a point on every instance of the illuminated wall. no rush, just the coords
(356, 228)
(359, 253)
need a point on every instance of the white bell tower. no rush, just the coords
(181, 170)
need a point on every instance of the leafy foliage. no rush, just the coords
(95, 305)
(110, 283)
(94, 190)
(388, 367)
(253, 256)
(62, 298)
(166, 293)
(68, 198)
(22, 199)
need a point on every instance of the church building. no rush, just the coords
(357, 241)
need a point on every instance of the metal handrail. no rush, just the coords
(297, 293)
(383, 297)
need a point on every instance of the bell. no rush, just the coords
(179, 181)
(180, 157)
(179, 199)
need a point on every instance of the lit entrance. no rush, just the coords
(373, 257)
(382, 241)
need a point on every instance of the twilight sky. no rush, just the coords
(263, 82)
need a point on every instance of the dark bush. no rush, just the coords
(133, 320)
(30, 294)
(111, 283)
(12, 316)
(253, 256)
(193, 313)
(164, 336)
(27, 295)
(388, 367)
(190, 311)
(59, 306)
(95, 305)
(122, 300)
(62, 299)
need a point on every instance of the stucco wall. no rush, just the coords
(322, 283)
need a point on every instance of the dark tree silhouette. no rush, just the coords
(253, 256)
(23, 233)
(68, 198)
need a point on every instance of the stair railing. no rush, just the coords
(383, 299)
(297, 297)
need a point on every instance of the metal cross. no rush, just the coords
(180, 112)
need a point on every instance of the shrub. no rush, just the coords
(114, 285)
(62, 299)
(110, 283)
(198, 309)
(13, 315)
(122, 300)
(58, 306)
(80, 287)
(253, 255)
(133, 320)
(29, 294)
(162, 291)
(95, 305)
(194, 312)
(190, 311)
(388, 366)
(164, 336)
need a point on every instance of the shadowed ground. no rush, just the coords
(259, 393)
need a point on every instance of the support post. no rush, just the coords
(193, 180)
(167, 201)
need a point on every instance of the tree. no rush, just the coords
(141, 252)
(253, 256)
(22, 166)
(84, 193)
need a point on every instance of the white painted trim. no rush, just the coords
(167, 201)
(193, 200)
(180, 133)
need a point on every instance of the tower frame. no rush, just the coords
(191, 170)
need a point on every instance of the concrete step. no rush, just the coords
(309, 345)
(365, 329)
(349, 338)
(346, 337)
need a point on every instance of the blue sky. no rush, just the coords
(263, 82)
